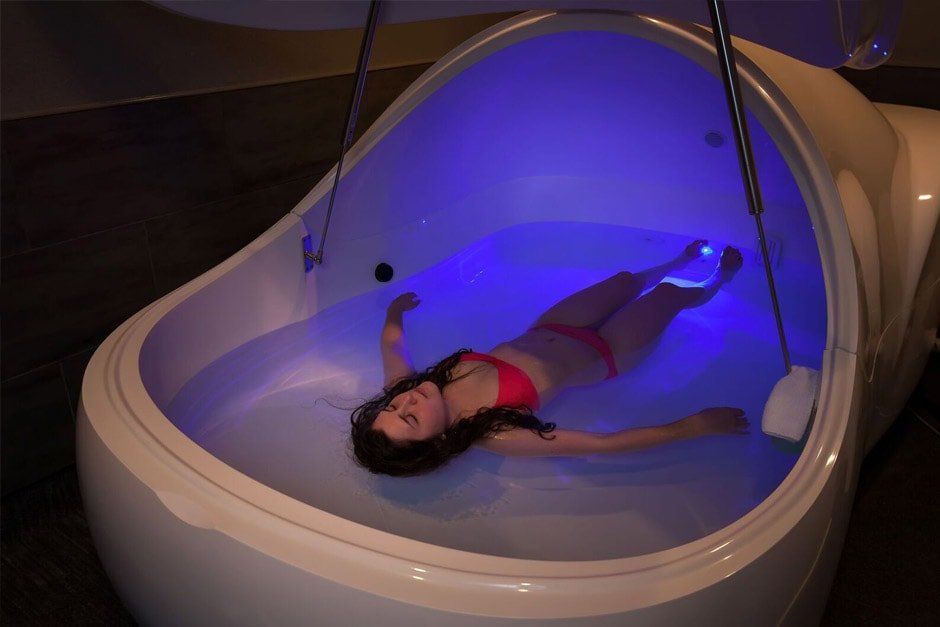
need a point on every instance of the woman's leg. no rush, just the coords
(636, 325)
(652, 276)
(595, 303)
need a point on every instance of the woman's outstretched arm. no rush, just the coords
(396, 362)
(523, 442)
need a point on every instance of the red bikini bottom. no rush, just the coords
(590, 337)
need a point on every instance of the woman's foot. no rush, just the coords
(692, 252)
(651, 277)
(729, 264)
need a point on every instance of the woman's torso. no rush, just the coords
(552, 361)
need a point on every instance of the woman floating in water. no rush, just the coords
(423, 419)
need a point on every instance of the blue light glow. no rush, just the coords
(707, 250)
(875, 46)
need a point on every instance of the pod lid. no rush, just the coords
(826, 33)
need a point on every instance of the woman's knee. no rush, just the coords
(632, 283)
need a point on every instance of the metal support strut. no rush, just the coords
(365, 51)
(729, 76)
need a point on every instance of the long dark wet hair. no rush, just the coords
(376, 452)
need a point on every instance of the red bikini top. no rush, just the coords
(515, 386)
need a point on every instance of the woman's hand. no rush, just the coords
(396, 362)
(404, 302)
(715, 421)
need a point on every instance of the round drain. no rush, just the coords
(384, 272)
(714, 139)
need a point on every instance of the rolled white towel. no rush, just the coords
(791, 404)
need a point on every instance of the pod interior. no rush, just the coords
(544, 167)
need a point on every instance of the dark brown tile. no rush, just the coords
(283, 132)
(912, 86)
(66, 298)
(73, 371)
(842, 611)
(79, 173)
(50, 571)
(888, 569)
(382, 88)
(12, 235)
(37, 429)
(925, 401)
(286, 195)
(184, 245)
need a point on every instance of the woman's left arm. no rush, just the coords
(396, 362)
(710, 421)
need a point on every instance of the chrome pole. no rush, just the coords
(365, 51)
(729, 76)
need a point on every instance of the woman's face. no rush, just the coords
(417, 414)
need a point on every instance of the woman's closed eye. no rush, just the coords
(412, 416)
(406, 417)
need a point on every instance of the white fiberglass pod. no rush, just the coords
(536, 157)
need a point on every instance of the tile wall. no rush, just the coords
(104, 211)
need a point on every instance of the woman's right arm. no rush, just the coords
(566, 442)
(396, 361)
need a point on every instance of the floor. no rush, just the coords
(889, 573)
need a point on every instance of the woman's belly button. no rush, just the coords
(556, 360)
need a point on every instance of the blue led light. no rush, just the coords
(876, 46)
(706, 250)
